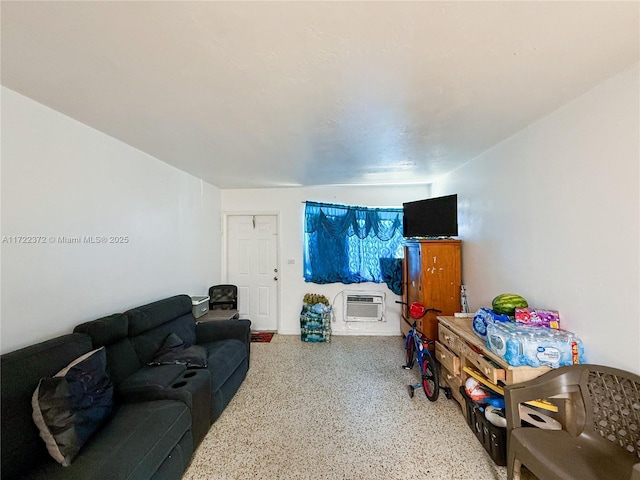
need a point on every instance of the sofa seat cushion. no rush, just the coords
(224, 357)
(134, 444)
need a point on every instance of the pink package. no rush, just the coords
(538, 318)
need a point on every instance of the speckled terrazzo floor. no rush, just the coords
(337, 410)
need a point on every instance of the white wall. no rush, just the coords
(553, 214)
(62, 178)
(287, 203)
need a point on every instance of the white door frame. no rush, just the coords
(224, 231)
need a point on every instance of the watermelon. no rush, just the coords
(506, 303)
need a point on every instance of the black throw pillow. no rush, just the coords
(175, 351)
(70, 407)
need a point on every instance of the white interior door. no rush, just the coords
(252, 265)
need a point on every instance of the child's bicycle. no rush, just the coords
(417, 346)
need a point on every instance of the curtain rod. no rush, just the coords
(340, 205)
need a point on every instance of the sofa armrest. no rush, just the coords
(164, 382)
(209, 332)
(562, 381)
(148, 383)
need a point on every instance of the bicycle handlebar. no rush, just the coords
(432, 310)
(427, 310)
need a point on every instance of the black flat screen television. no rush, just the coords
(433, 217)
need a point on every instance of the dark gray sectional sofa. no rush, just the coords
(161, 413)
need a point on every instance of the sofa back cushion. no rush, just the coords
(112, 332)
(21, 445)
(149, 325)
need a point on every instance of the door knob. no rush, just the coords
(275, 269)
(275, 278)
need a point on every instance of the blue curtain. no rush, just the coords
(349, 244)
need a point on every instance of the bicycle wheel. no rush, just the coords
(410, 353)
(430, 377)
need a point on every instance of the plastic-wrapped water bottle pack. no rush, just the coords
(523, 345)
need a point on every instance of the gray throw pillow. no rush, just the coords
(175, 351)
(70, 407)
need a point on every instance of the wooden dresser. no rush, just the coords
(462, 354)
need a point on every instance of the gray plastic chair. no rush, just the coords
(599, 408)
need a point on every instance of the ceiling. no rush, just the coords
(276, 94)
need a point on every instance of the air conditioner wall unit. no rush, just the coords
(363, 307)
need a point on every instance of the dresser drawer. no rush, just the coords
(454, 382)
(489, 369)
(449, 339)
(447, 359)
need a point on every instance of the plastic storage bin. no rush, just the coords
(492, 438)
(200, 306)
